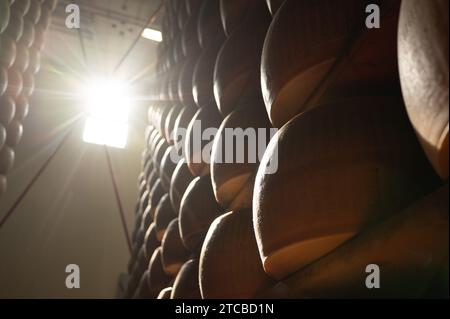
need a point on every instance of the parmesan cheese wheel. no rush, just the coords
(174, 253)
(186, 283)
(423, 62)
(230, 267)
(334, 171)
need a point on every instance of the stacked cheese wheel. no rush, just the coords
(344, 176)
(23, 24)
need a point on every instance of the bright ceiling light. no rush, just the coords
(108, 106)
(152, 34)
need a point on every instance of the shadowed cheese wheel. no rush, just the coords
(5, 14)
(193, 6)
(22, 59)
(185, 82)
(3, 80)
(7, 157)
(7, 110)
(325, 51)
(151, 179)
(164, 214)
(331, 172)
(34, 13)
(21, 7)
(144, 199)
(189, 38)
(233, 173)
(233, 12)
(203, 77)
(156, 194)
(174, 253)
(150, 241)
(198, 209)
(46, 17)
(15, 83)
(2, 136)
(3, 184)
(410, 249)
(8, 51)
(170, 123)
(143, 290)
(199, 139)
(14, 133)
(51, 4)
(181, 178)
(39, 38)
(165, 293)
(174, 76)
(157, 279)
(28, 34)
(168, 165)
(15, 27)
(181, 125)
(147, 218)
(423, 62)
(35, 61)
(274, 5)
(209, 23)
(28, 84)
(186, 283)
(230, 266)
(237, 68)
(139, 267)
(160, 149)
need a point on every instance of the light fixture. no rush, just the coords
(108, 107)
(152, 34)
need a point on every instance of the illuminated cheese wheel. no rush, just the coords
(423, 62)
(230, 266)
(203, 77)
(7, 52)
(165, 293)
(164, 214)
(15, 26)
(198, 209)
(237, 68)
(7, 110)
(186, 283)
(170, 123)
(410, 247)
(3, 184)
(317, 53)
(3, 80)
(144, 199)
(156, 194)
(22, 59)
(274, 5)
(199, 138)
(157, 278)
(143, 290)
(181, 178)
(151, 179)
(168, 165)
(331, 172)
(151, 242)
(5, 14)
(209, 23)
(147, 218)
(15, 83)
(233, 173)
(174, 253)
(14, 133)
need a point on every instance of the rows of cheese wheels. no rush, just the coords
(353, 183)
(23, 24)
